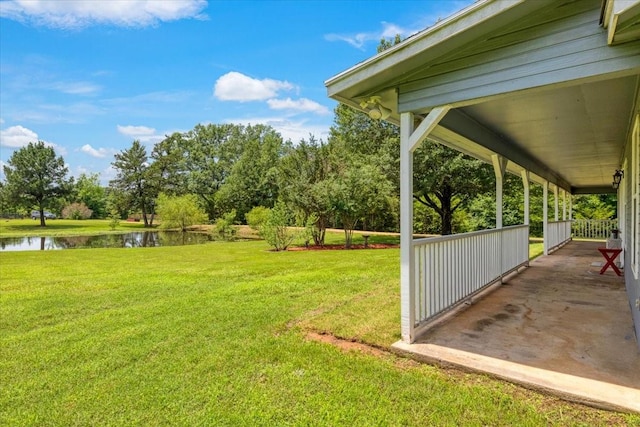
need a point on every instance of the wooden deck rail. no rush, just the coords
(559, 234)
(593, 228)
(450, 269)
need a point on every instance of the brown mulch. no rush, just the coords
(340, 246)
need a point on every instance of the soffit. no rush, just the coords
(578, 131)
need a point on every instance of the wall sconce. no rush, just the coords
(617, 177)
(375, 109)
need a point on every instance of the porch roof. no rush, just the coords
(551, 85)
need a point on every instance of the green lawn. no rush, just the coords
(63, 227)
(217, 335)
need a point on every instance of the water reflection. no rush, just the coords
(128, 240)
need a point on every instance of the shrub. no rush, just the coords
(257, 216)
(114, 219)
(225, 227)
(275, 229)
(180, 211)
(76, 211)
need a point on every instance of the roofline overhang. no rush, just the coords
(445, 31)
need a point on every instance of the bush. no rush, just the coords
(76, 211)
(180, 211)
(114, 219)
(225, 227)
(257, 216)
(275, 229)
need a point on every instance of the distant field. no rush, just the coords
(61, 227)
(217, 334)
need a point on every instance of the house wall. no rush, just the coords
(629, 205)
(560, 44)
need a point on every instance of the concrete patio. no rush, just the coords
(559, 327)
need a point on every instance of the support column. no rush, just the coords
(407, 291)
(555, 202)
(564, 205)
(499, 167)
(570, 207)
(525, 184)
(410, 138)
(545, 216)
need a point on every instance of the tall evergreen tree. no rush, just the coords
(133, 180)
(36, 177)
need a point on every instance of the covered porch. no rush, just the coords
(548, 90)
(558, 326)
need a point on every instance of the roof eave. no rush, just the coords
(442, 31)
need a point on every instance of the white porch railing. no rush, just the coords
(449, 269)
(559, 232)
(593, 228)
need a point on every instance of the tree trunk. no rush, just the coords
(446, 214)
(319, 231)
(144, 216)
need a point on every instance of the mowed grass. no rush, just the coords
(216, 335)
(63, 227)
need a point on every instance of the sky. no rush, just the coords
(88, 77)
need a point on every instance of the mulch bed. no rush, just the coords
(341, 247)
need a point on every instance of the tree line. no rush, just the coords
(349, 181)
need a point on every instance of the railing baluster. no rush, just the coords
(451, 268)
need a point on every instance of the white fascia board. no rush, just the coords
(617, 11)
(461, 21)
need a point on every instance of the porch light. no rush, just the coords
(617, 177)
(375, 109)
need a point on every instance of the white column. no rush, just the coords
(525, 184)
(545, 215)
(499, 166)
(555, 202)
(570, 207)
(564, 205)
(410, 138)
(407, 290)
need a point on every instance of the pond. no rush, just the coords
(128, 240)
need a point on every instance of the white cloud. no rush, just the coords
(99, 153)
(57, 113)
(389, 30)
(294, 130)
(235, 86)
(17, 137)
(79, 14)
(136, 131)
(76, 88)
(143, 134)
(299, 105)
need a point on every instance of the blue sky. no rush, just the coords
(90, 76)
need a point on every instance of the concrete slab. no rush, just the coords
(559, 326)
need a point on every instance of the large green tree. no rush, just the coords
(356, 139)
(36, 177)
(168, 167)
(210, 152)
(89, 191)
(446, 180)
(595, 206)
(134, 181)
(300, 176)
(252, 180)
(356, 192)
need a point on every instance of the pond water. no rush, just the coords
(128, 240)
